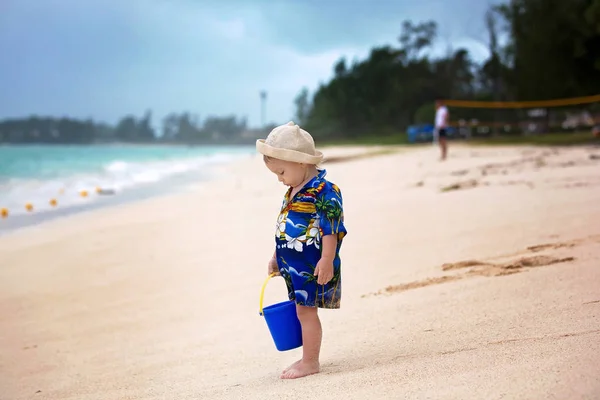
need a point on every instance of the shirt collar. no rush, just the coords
(320, 175)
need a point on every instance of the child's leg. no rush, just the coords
(311, 344)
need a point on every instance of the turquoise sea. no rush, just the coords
(37, 174)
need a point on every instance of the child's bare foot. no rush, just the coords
(291, 366)
(300, 369)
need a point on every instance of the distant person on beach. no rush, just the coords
(442, 116)
(308, 237)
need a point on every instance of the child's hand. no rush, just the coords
(324, 271)
(273, 268)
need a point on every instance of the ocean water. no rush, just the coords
(52, 179)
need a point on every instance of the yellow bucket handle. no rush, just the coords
(262, 292)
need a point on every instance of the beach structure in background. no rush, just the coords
(480, 119)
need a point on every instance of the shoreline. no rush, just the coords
(49, 206)
(19, 222)
(180, 184)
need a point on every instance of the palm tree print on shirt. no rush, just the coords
(315, 211)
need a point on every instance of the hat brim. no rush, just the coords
(288, 155)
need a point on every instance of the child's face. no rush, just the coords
(289, 173)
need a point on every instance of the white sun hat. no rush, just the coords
(290, 143)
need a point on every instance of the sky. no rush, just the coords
(103, 59)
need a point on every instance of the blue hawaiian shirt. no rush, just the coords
(315, 211)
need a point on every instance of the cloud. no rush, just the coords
(104, 59)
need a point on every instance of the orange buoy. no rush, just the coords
(98, 189)
(29, 207)
(53, 202)
(83, 193)
(61, 191)
(4, 212)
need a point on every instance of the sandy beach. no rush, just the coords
(475, 278)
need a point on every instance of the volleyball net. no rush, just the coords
(489, 118)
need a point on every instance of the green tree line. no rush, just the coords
(552, 51)
(176, 128)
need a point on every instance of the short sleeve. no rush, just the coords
(330, 209)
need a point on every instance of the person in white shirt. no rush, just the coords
(442, 116)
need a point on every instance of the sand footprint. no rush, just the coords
(479, 268)
(494, 269)
(547, 246)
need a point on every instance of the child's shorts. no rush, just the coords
(305, 291)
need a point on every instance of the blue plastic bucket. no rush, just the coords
(283, 322)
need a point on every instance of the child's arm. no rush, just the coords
(272, 265)
(324, 269)
(329, 243)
